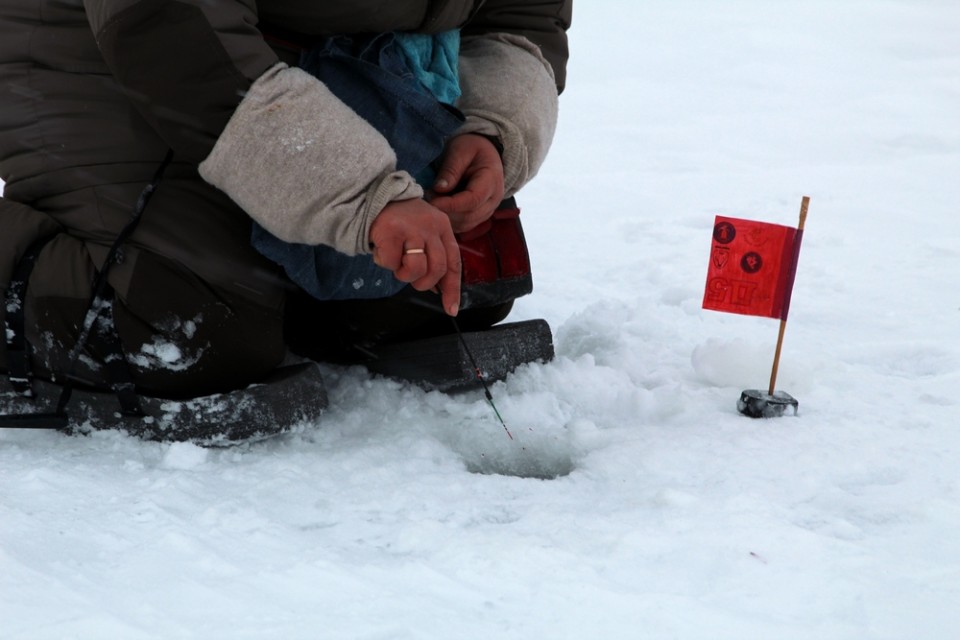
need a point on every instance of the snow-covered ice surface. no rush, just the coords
(406, 514)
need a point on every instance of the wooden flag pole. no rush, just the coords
(804, 204)
(776, 358)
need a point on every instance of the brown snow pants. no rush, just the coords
(182, 336)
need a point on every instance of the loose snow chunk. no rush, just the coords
(164, 351)
(162, 354)
(190, 327)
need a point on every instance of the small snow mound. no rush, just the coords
(184, 456)
(732, 363)
(597, 331)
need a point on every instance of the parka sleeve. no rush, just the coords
(185, 64)
(273, 138)
(542, 22)
(512, 69)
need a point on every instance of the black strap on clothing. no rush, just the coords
(18, 348)
(98, 322)
(99, 301)
(104, 338)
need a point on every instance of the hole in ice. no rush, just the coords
(528, 455)
(526, 465)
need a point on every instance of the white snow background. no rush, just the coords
(409, 515)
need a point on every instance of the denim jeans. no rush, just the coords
(371, 76)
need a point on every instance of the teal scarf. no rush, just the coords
(434, 60)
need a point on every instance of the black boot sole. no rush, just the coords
(290, 396)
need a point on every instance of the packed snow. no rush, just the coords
(634, 501)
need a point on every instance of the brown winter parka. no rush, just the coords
(94, 93)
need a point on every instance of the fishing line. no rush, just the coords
(483, 382)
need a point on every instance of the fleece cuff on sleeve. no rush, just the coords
(304, 165)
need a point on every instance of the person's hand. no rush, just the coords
(415, 241)
(469, 183)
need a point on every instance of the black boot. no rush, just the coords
(408, 336)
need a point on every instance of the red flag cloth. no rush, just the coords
(752, 267)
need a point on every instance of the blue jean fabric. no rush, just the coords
(370, 75)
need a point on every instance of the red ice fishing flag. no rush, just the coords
(752, 267)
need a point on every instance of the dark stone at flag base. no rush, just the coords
(760, 404)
